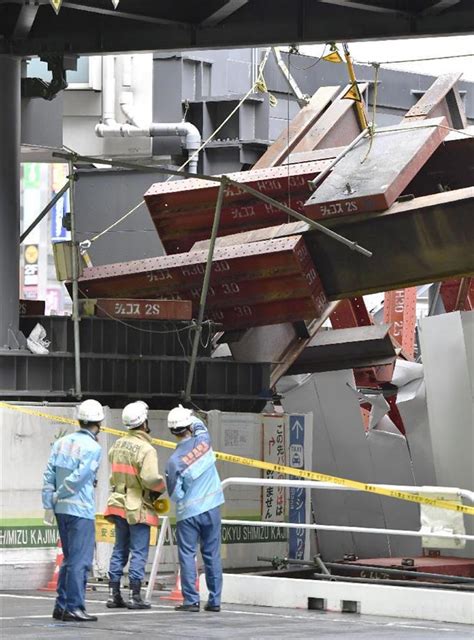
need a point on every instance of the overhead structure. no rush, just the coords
(102, 26)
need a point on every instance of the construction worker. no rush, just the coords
(68, 494)
(136, 484)
(194, 484)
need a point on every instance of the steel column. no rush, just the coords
(76, 318)
(9, 198)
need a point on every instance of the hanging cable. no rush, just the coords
(371, 126)
(383, 62)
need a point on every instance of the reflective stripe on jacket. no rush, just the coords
(191, 475)
(134, 474)
(70, 475)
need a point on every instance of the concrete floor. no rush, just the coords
(27, 615)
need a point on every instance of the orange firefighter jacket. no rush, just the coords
(134, 475)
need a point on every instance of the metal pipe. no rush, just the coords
(394, 583)
(191, 134)
(315, 484)
(320, 177)
(299, 216)
(205, 288)
(360, 567)
(41, 215)
(75, 288)
(136, 166)
(398, 572)
(333, 527)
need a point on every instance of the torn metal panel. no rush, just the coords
(390, 457)
(346, 349)
(339, 448)
(376, 171)
(416, 242)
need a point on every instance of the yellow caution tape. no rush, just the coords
(268, 466)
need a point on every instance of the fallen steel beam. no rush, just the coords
(278, 152)
(182, 212)
(250, 285)
(376, 171)
(441, 99)
(424, 240)
(338, 349)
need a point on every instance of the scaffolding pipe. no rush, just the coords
(394, 583)
(360, 567)
(41, 215)
(205, 288)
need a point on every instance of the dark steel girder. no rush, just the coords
(424, 240)
(76, 30)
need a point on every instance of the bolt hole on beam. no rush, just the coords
(317, 604)
(350, 606)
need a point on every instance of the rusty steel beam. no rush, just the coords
(278, 152)
(182, 212)
(350, 313)
(376, 171)
(416, 242)
(262, 283)
(442, 99)
(139, 309)
(458, 295)
(400, 312)
(336, 127)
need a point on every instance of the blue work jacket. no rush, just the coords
(69, 479)
(191, 475)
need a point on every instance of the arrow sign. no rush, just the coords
(297, 427)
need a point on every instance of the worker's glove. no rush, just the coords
(48, 517)
(161, 506)
(55, 497)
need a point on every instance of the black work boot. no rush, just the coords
(115, 600)
(135, 600)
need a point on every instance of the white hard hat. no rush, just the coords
(180, 418)
(135, 414)
(90, 411)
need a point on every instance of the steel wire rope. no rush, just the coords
(374, 111)
(429, 59)
(259, 84)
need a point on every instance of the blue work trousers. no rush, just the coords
(130, 540)
(206, 528)
(78, 540)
